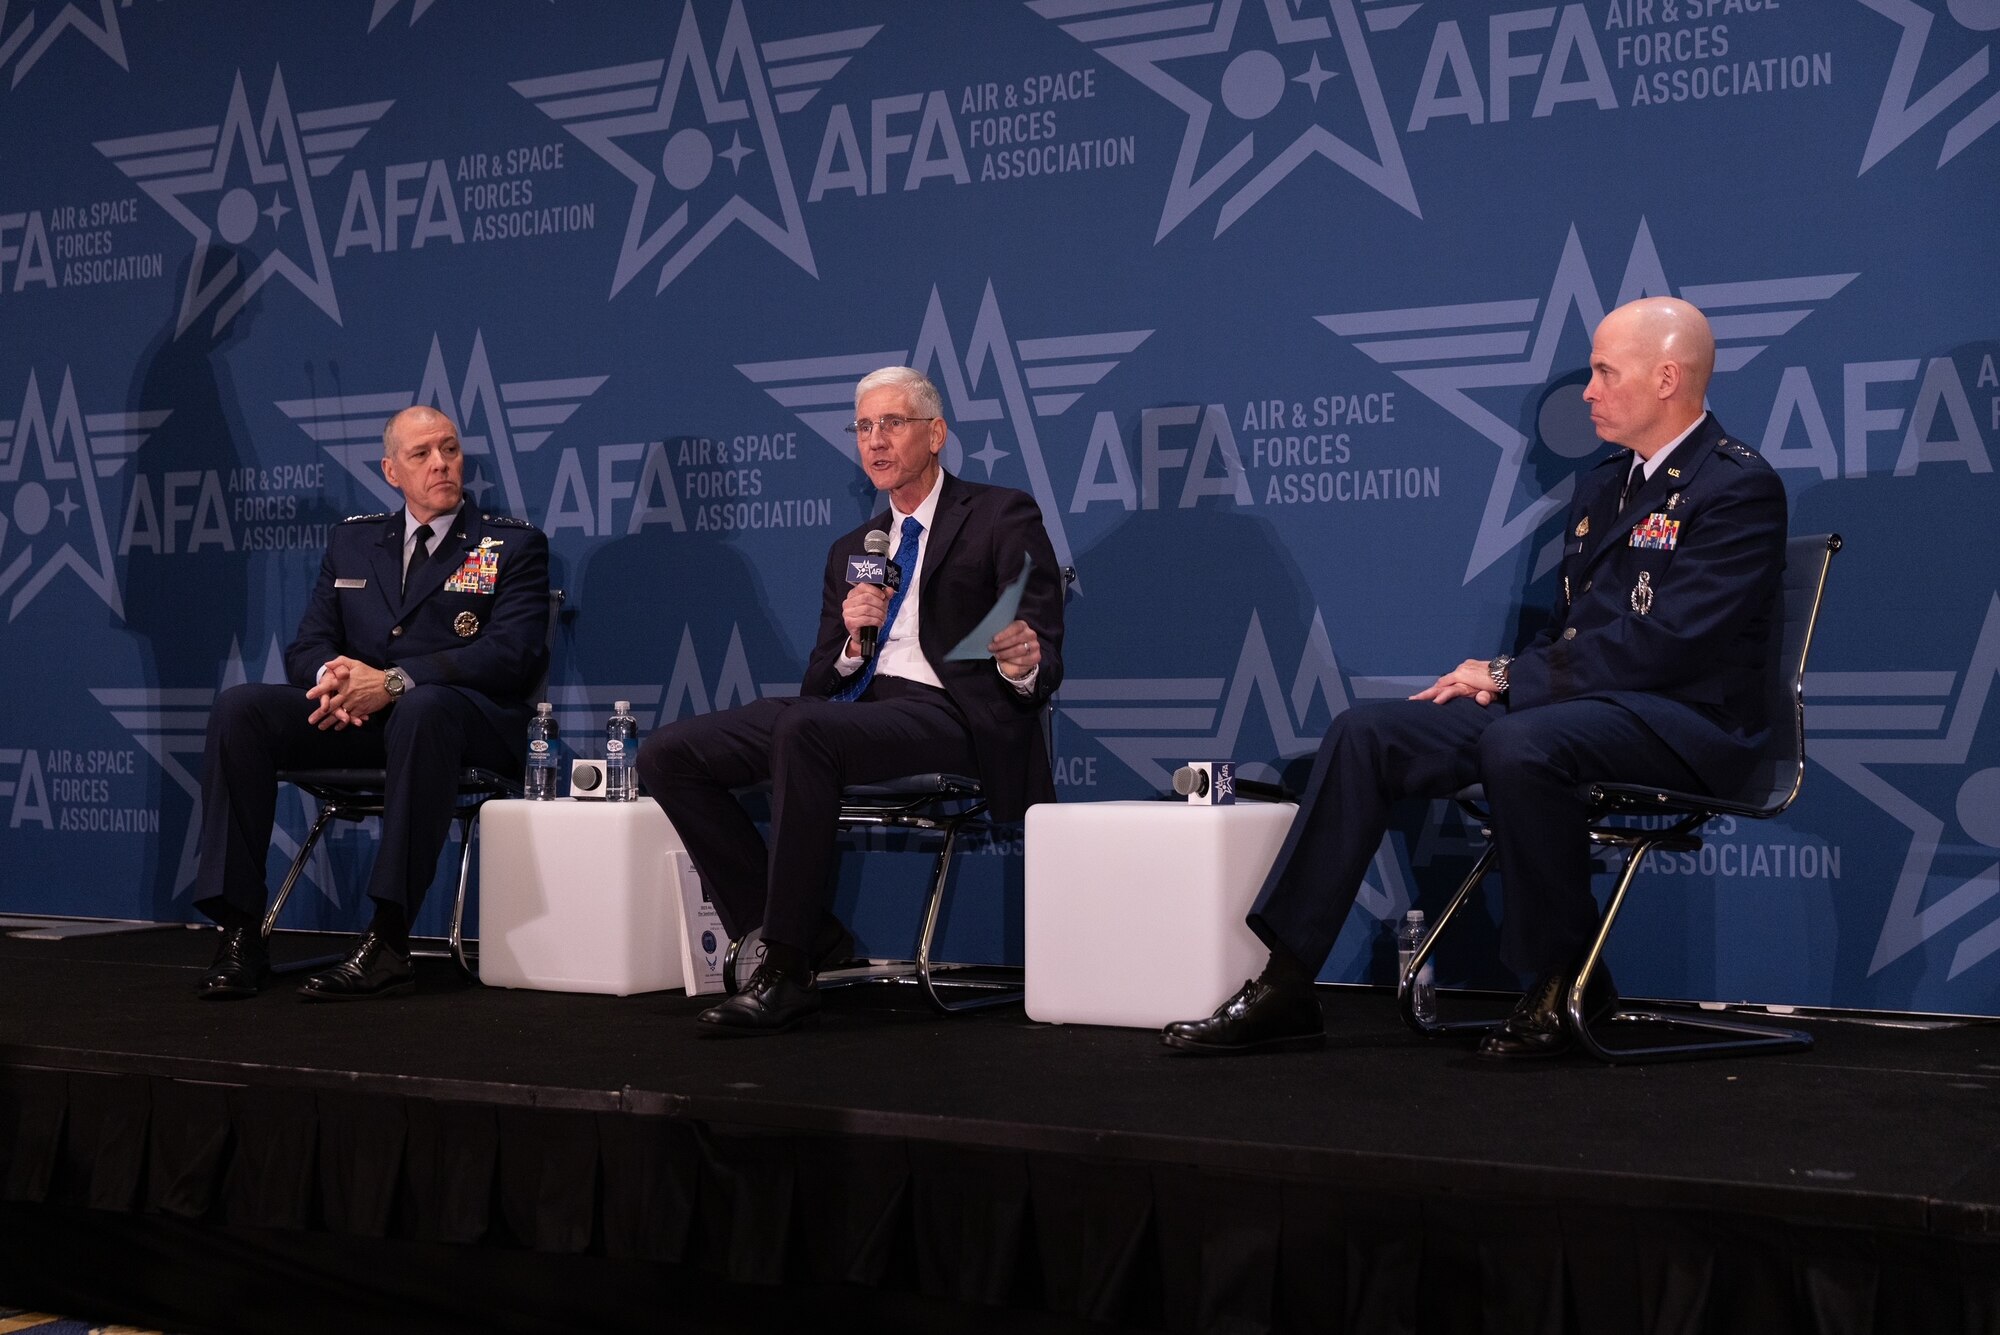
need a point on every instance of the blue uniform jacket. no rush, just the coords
(1670, 608)
(476, 617)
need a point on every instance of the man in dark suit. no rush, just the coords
(1652, 670)
(425, 636)
(860, 719)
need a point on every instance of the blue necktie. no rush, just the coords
(906, 560)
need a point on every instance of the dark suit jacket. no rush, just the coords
(495, 656)
(1691, 652)
(977, 539)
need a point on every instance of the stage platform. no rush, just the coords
(482, 1159)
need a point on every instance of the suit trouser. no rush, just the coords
(809, 749)
(421, 741)
(1536, 765)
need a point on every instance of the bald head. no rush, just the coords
(421, 458)
(417, 417)
(1649, 369)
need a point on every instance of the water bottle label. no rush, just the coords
(614, 747)
(538, 746)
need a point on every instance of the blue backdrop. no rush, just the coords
(1279, 307)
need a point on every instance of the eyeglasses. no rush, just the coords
(865, 427)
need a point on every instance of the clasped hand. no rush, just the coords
(1469, 678)
(347, 694)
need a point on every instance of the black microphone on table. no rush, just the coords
(1214, 783)
(874, 568)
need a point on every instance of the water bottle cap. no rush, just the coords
(1414, 915)
(624, 706)
(545, 708)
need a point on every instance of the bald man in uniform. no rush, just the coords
(1652, 670)
(418, 653)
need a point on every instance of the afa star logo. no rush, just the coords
(1945, 800)
(996, 381)
(661, 124)
(22, 33)
(1155, 724)
(1291, 87)
(1903, 110)
(248, 181)
(54, 459)
(498, 421)
(170, 724)
(1454, 352)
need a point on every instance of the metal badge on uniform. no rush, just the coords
(350, 584)
(1583, 527)
(466, 624)
(1673, 472)
(1674, 501)
(1642, 593)
(1656, 533)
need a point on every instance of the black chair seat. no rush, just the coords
(362, 784)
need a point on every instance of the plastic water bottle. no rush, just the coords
(1410, 939)
(541, 781)
(621, 743)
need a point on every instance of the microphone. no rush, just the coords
(1214, 783)
(874, 568)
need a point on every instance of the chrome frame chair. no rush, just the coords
(357, 794)
(944, 805)
(1770, 791)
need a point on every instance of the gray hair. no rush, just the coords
(916, 386)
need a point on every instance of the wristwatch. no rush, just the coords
(395, 682)
(1497, 669)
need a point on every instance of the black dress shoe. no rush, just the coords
(1267, 1015)
(1538, 1027)
(770, 1003)
(374, 968)
(240, 969)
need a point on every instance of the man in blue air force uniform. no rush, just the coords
(908, 710)
(1653, 670)
(424, 639)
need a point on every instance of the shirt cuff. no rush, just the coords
(1024, 685)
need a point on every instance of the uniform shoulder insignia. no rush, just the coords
(1738, 450)
(506, 521)
(363, 519)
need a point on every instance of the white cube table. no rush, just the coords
(578, 897)
(1134, 910)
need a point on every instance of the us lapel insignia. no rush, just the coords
(1673, 472)
(1642, 593)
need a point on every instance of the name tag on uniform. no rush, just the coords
(1657, 533)
(350, 584)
